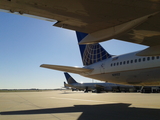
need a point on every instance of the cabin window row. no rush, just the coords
(135, 61)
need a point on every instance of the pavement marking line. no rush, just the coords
(82, 100)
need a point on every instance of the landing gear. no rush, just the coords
(86, 90)
(97, 90)
(141, 90)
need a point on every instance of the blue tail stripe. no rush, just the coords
(91, 53)
(80, 36)
(69, 79)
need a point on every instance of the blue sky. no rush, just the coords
(26, 43)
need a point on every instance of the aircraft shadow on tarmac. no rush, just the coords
(98, 112)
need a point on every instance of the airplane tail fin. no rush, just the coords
(91, 53)
(69, 79)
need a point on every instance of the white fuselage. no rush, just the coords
(93, 86)
(127, 69)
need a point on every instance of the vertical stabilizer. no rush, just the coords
(69, 79)
(91, 53)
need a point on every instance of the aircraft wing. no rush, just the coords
(134, 21)
(76, 70)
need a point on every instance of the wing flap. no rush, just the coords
(116, 31)
(76, 70)
(148, 33)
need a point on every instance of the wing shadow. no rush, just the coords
(98, 112)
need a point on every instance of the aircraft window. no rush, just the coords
(139, 59)
(128, 62)
(135, 60)
(117, 63)
(114, 64)
(153, 58)
(120, 63)
(148, 58)
(124, 62)
(111, 64)
(144, 59)
(131, 61)
(157, 57)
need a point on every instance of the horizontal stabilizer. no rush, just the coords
(76, 70)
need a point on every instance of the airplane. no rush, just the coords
(96, 87)
(97, 21)
(127, 69)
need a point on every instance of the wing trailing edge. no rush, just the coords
(77, 70)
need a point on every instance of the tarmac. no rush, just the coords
(68, 105)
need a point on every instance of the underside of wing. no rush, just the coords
(76, 70)
(97, 18)
(147, 33)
